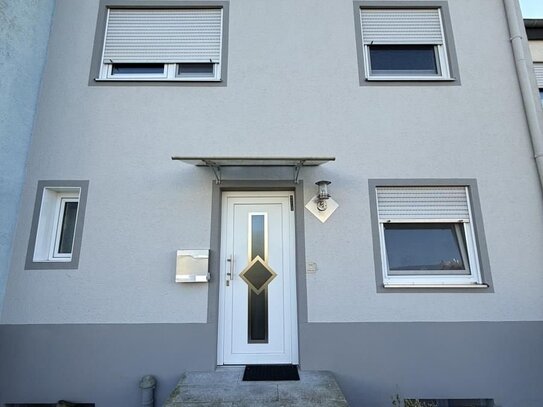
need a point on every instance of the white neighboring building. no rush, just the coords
(534, 29)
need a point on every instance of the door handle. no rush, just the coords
(230, 273)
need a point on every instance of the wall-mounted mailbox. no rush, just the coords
(192, 266)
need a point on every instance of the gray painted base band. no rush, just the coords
(372, 362)
(97, 363)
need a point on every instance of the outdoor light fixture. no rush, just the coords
(323, 195)
(322, 205)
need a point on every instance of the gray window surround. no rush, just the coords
(30, 264)
(449, 40)
(101, 28)
(477, 219)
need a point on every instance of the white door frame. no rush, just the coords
(289, 194)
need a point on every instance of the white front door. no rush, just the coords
(257, 296)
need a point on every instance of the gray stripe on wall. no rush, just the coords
(371, 361)
(374, 361)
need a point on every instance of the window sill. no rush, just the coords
(409, 79)
(445, 286)
(154, 80)
(64, 260)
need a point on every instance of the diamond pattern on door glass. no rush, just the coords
(258, 275)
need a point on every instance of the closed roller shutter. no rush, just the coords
(436, 203)
(163, 35)
(401, 26)
(538, 67)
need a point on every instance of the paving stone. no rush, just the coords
(290, 403)
(200, 405)
(224, 393)
(316, 377)
(226, 376)
(310, 392)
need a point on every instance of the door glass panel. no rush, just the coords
(258, 303)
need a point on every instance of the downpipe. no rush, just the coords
(147, 386)
(531, 101)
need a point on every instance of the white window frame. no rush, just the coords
(441, 52)
(50, 224)
(170, 69)
(419, 278)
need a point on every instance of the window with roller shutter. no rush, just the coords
(404, 43)
(426, 236)
(162, 44)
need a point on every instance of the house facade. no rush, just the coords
(416, 273)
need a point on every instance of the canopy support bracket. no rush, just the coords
(216, 170)
(297, 167)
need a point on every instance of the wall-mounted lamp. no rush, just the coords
(322, 205)
(323, 195)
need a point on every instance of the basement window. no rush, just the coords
(448, 402)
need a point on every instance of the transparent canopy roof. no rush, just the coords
(255, 161)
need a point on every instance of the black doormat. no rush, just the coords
(257, 373)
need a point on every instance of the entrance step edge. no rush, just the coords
(225, 388)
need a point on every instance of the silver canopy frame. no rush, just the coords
(215, 163)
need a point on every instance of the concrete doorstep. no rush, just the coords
(225, 388)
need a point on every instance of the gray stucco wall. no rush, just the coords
(24, 33)
(299, 98)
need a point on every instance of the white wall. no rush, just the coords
(292, 90)
(536, 48)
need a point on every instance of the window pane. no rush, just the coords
(137, 69)
(434, 248)
(196, 70)
(68, 228)
(541, 95)
(403, 60)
